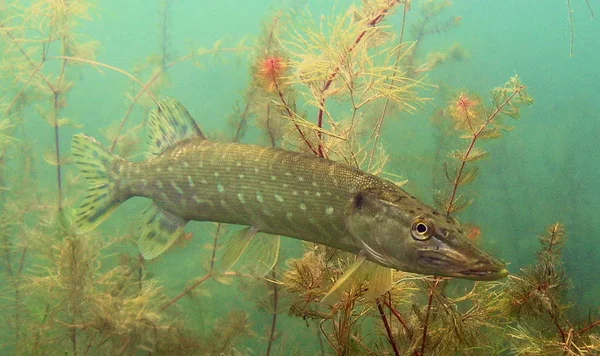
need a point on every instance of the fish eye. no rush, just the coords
(421, 229)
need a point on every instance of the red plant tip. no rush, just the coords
(270, 70)
(464, 103)
(473, 233)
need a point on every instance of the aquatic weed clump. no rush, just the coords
(328, 86)
(533, 305)
(78, 301)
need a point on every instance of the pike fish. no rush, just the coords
(274, 191)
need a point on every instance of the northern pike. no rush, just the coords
(275, 191)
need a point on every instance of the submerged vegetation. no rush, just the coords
(327, 86)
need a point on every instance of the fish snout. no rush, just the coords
(479, 266)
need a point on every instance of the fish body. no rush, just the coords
(274, 191)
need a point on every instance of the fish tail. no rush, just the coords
(100, 168)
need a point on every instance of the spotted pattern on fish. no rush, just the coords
(261, 187)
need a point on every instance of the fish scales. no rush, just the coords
(276, 191)
(188, 177)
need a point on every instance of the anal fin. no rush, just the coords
(160, 229)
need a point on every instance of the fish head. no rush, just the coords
(397, 231)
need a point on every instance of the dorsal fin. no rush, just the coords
(170, 123)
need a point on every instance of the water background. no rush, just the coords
(546, 170)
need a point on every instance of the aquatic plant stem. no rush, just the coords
(165, 23)
(57, 152)
(15, 278)
(275, 311)
(386, 324)
(455, 185)
(589, 327)
(210, 274)
(292, 115)
(146, 86)
(372, 23)
(201, 280)
(244, 116)
(113, 68)
(587, 2)
(379, 124)
(400, 318)
(56, 92)
(56, 107)
(432, 290)
(474, 138)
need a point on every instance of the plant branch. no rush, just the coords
(291, 115)
(474, 138)
(372, 23)
(146, 86)
(387, 327)
(589, 327)
(399, 317)
(275, 311)
(432, 290)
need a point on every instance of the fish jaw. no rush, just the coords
(477, 265)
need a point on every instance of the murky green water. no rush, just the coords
(69, 67)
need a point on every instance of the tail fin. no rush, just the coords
(97, 165)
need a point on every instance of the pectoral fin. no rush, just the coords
(379, 280)
(346, 281)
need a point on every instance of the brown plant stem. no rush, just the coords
(589, 327)
(292, 115)
(57, 152)
(56, 107)
(15, 278)
(560, 329)
(203, 279)
(146, 86)
(465, 158)
(589, 6)
(107, 66)
(275, 311)
(376, 20)
(164, 26)
(244, 116)
(386, 324)
(379, 124)
(268, 124)
(432, 290)
(399, 317)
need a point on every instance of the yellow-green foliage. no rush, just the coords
(323, 86)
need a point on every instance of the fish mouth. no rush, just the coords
(486, 268)
(483, 275)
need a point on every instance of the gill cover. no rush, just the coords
(372, 220)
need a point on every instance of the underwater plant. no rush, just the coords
(329, 86)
